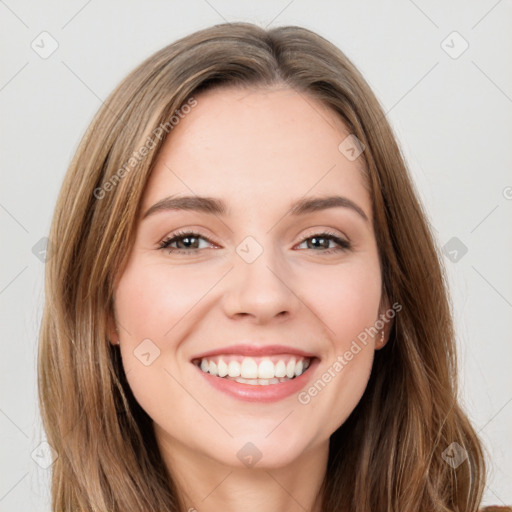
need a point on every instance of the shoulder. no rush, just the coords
(496, 509)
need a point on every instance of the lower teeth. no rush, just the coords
(258, 382)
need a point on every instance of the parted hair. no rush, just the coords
(388, 455)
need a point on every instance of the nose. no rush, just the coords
(261, 290)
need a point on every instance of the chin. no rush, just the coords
(260, 452)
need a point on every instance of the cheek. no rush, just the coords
(346, 298)
(154, 304)
(151, 299)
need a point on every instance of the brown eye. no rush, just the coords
(185, 242)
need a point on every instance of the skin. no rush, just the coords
(258, 150)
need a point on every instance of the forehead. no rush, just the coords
(257, 148)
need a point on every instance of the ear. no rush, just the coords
(385, 320)
(112, 331)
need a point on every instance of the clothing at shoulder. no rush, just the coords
(496, 509)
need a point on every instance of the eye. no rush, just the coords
(185, 242)
(321, 242)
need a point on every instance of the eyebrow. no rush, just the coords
(214, 206)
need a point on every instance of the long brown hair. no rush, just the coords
(388, 455)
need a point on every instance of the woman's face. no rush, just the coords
(259, 286)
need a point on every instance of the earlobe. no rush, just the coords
(384, 323)
(113, 333)
(114, 339)
(382, 340)
(112, 329)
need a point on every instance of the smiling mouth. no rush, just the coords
(260, 371)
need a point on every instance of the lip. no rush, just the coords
(255, 351)
(261, 393)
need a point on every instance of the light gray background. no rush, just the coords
(452, 117)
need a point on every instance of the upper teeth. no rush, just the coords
(254, 368)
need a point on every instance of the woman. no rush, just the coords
(245, 307)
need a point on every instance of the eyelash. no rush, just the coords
(343, 245)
